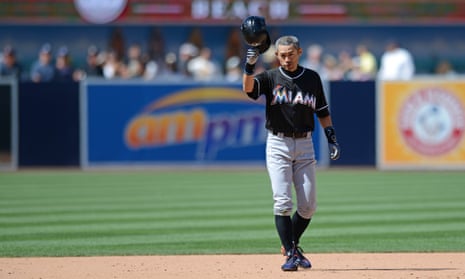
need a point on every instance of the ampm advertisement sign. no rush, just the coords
(421, 124)
(139, 123)
(186, 124)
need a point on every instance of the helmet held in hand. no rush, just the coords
(254, 31)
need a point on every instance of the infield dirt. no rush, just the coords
(326, 266)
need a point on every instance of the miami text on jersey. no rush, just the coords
(282, 95)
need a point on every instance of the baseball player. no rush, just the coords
(293, 95)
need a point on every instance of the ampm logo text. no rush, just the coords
(211, 119)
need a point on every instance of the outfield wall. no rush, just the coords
(48, 124)
(353, 112)
(8, 124)
(101, 123)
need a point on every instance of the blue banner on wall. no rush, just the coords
(48, 124)
(354, 117)
(145, 123)
(8, 124)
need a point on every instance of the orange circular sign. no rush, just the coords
(432, 121)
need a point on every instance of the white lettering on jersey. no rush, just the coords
(282, 95)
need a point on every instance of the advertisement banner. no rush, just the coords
(194, 12)
(421, 124)
(171, 124)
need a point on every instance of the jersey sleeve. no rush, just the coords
(260, 85)
(323, 112)
(322, 108)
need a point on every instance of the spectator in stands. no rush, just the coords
(356, 73)
(112, 67)
(170, 63)
(233, 69)
(235, 44)
(9, 65)
(444, 69)
(64, 70)
(187, 51)
(168, 70)
(156, 46)
(345, 64)
(367, 65)
(269, 59)
(396, 63)
(93, 66)
(331, 69)
(202, 67)
(151, 69)
(134, 67)
(117, 43)
(43, 69)
(313, 59)
(196, 38)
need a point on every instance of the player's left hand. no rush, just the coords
(334, 148)
(334, 151)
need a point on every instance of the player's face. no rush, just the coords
(288, 57)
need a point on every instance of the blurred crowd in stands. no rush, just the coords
(193, 60)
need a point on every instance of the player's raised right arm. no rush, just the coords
(247, 83)
(248, 76)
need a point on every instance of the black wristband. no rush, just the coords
(330, 134)
(249, 69)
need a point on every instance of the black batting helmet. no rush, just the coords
(255, 34)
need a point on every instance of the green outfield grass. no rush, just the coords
(69, 213)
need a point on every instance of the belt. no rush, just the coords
(295, 135)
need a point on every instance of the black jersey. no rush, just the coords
(292, 99)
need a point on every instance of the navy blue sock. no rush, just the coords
(299, 225)
(284, 228)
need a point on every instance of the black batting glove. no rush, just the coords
(252, 55)
(252, 58)
(334, 149)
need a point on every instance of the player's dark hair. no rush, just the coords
(288, 41)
